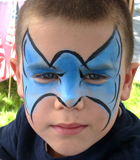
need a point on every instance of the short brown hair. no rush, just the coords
(116, 11)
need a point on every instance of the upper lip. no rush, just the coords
(72, 125)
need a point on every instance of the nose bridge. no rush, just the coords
(70, 91)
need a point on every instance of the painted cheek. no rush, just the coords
(107, 92)
(70, 86)
(32, 90)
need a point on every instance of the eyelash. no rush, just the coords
(49, 76)
(94, 76)
(90, 78)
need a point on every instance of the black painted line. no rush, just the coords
(102, 104)
(98, 51)
(117, 94)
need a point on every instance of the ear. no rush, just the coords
(16, 68)
(127, 84)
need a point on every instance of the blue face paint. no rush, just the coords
(75, 76)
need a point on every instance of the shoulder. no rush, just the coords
(22, 126)
(127, 137)
(21, 117)
(18, 139)
(13, 127)
(9, 135)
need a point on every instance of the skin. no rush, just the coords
(71, 76)
(85, 40)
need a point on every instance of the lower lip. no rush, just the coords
(68, 131)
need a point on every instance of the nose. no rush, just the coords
(59, 104)
(70, 97)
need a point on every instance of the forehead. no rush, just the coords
(54, 35)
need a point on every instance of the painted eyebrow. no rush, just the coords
(58, 54)
(35, 48)
(94, 55)
(98, 51)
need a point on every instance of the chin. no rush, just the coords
(67, 149)
(67, 152)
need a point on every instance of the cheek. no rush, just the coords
(95, 115)
(42, 115)
(42, 118)
(44, 107)
(33, 92)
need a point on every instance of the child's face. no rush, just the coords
(71, 82)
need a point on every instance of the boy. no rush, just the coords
(73, 68)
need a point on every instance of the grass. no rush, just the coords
(133, 103)
(10, 106)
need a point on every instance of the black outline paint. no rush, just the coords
(25, 100)
(52, 94)
(23, 65)
(84, 63)
(117, 93)
(99, 50)
(81, 74)
(37, 50)
(58, 54)
(77, 101)
(103, 105)
(24, 44)
(24, 72)
(119, 48)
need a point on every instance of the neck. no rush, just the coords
(52, 152)
(119, 112)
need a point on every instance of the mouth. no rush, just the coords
(69, 129)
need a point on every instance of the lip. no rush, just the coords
(69, 129)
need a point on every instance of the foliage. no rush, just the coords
(133, 103)
(8, 106)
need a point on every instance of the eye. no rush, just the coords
(45, 77)
(95, 78)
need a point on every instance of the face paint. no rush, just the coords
(97, 78)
